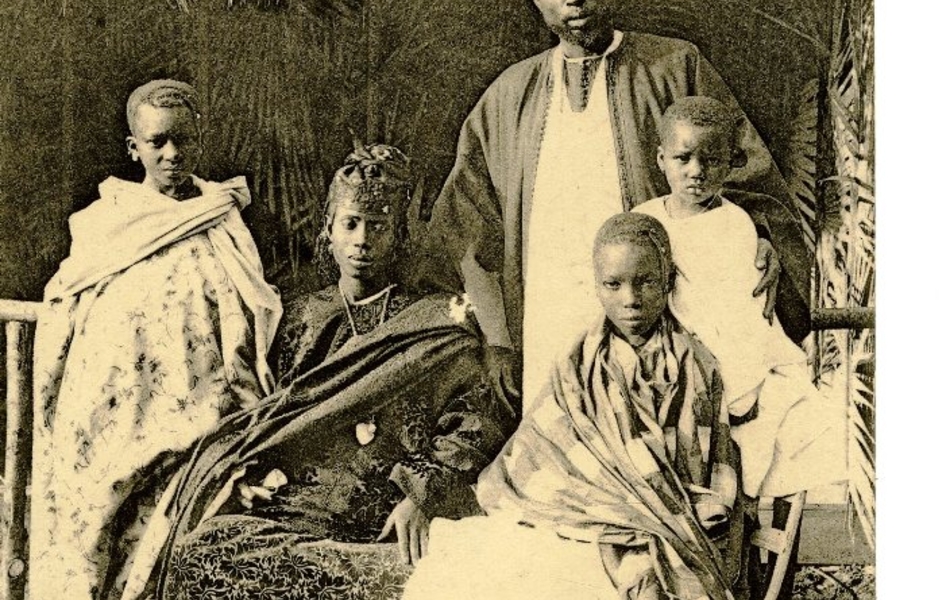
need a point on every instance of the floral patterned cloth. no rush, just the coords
(418, 378)
(129, 372)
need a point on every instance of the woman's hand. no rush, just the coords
(248, 494)
(504, 369)
(412, 531)
(765, 260)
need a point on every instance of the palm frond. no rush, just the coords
(846, 249)
(318, 9)
(861, 449)
(803, 152)
(259, 4)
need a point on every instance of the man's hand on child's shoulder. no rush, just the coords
(767, 261)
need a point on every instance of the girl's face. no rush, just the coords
(631, 287)
(363, 243)
(695, 160)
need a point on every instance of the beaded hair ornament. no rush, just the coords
(373, 179)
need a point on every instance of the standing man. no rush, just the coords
(557, 144)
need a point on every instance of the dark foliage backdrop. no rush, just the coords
(287, 84)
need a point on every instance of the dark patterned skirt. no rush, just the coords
(237, 557)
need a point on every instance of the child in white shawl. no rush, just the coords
(156, 325)
(790, 438)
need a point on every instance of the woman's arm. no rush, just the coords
(466, 436)
(437, 481)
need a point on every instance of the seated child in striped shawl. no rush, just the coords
(622, 477)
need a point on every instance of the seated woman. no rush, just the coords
(622, 479)
(384, 422)
(156, 325)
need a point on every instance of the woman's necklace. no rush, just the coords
(385, 293)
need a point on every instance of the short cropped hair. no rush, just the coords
(703, 111)
(162, 93)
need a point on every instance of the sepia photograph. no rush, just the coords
(430, 299)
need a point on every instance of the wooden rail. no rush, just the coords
(13, 561)
(18, 317)
(842, 318)
(18, 310)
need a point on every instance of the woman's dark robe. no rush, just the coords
(417, 377)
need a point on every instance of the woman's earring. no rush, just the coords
(739, 159)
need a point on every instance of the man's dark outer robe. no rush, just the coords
(484, 207)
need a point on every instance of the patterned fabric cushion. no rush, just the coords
(244, 558)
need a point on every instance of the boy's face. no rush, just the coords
(695, 160)
(363, 243)
(630, 286)
(168, 143)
